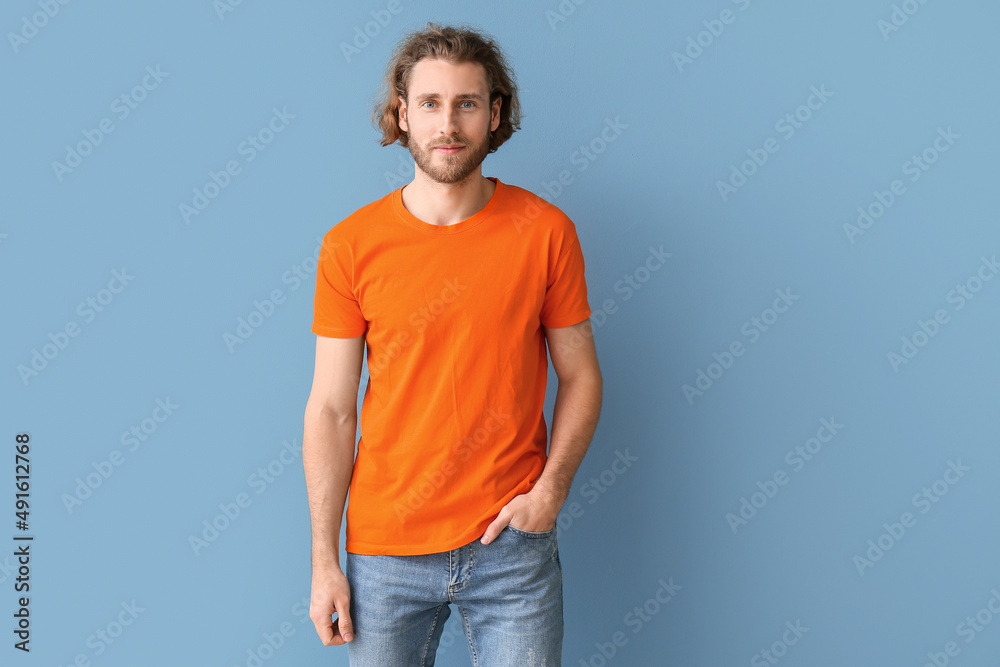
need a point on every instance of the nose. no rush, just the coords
(449, 124)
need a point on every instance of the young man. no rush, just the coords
(455, 282)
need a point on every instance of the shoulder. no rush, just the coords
(531, 211)
(361, 223)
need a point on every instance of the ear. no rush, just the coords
(495, 114)
(403, 125)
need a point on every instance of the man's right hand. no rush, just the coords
(331, 594)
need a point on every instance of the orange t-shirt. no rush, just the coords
(451, 424)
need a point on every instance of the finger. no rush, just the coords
(493, 530)
(337, 640)
(344, 624)
(324, 629)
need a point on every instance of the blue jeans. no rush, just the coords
(508, 592)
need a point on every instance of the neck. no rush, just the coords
(447, 203)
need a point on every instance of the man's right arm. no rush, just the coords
(328, 441)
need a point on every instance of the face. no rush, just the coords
(448, 105)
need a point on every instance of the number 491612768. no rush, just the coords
(22, 480)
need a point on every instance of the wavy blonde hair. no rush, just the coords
(456, 45)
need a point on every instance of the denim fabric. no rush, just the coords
(508, 593)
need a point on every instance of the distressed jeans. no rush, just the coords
(508, 593)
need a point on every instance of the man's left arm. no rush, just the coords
(574, 419)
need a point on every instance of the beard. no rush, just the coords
(445, 168)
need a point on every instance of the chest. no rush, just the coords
(482, 289)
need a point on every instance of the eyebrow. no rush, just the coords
(464, 96)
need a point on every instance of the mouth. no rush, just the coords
(449, 150)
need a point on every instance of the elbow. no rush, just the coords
(330, 413)
(587, 385)
(589, 375)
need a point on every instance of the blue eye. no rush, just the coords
(469, 102)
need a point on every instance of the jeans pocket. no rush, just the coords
(529, 533)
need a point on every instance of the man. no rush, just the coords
(455, 282)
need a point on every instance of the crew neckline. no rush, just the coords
(461, 226)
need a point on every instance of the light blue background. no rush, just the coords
(655, 185)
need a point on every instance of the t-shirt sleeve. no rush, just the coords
(336, 311)
(565, 300)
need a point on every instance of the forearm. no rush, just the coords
(328, 460)
(574, 420)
